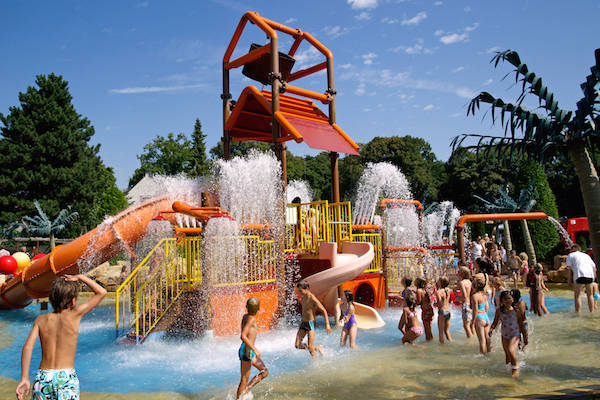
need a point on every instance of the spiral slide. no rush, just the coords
(347, 265)
(99, 245)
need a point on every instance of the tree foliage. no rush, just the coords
(200, 165)
(46, 156)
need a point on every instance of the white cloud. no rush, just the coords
(346, 66)
(366, 109)
(488, 82)
(360, 90)
(428, 107)
(307, 58)
(438, 3)
(467, 9)
(454, 38)
(416, 20)
(335, 31)
(155, 89)
(492, 50)
(368, 58)
(359, 4)
(392, 79)
(457, 37)
(472, 27)
(455, 115)
(142, 4)
(458, 69)
(438, 32)
(363, 16)
(290, 20)
(390, 21)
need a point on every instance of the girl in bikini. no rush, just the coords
(512, 329)
(424, 300)
(443, 304)
(409, 322)
(350, 328)
(481, 306)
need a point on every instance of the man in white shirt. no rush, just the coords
(583, 273)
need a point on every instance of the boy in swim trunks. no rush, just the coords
(248, 353)
(443, 304)
(307, 326)
(465, 292)
(58, 332)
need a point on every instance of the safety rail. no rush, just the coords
(175, 265)
(162, 268)
(340, 221)
(375, 239)
(431, 265)
(240, 260)
(306, 226)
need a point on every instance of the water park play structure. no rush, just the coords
(214, 251)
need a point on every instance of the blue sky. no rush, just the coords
(402, 67)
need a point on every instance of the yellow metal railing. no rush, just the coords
(340, 222)
(413, 265)
(161, 267)
(173, 266)
(306, 226)
(375, 239)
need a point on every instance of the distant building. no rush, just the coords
(145, 189)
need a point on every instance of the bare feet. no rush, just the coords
(515, 372)
(319, 348)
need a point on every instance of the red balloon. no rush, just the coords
(8, 265)
(38, 256)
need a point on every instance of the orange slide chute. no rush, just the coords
(102, 243)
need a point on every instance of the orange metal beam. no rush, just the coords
(323, 98)
(366, 227)
(416, 203)
(307, 71)
(289, 127)
(249, 57)
(346, 137)
(499, 217)
(258, 21)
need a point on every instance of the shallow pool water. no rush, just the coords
(380, 368)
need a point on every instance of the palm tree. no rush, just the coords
(42, 226)
(538, 136)
(504, 204)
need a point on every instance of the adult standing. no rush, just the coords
(583, 273)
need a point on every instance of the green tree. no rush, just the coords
(350, 170)
(46, 156)
(169, 155)
(414, 158)
(41, 225)
(238, 148)
(113, 200)
(558, 130)
(200, 165)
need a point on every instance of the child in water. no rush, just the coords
(544, 289)
(350, 328)
(248, 353)
(58, 332)
(521, 307)
(524, 266)
(480, 306)
(512, 329)
(443, 304)
(409, 323)
(596, 294)
(407, 283)
(310, 304)
(427, 312)
(498, 287)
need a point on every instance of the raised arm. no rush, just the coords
(24, 385)
(99, 292)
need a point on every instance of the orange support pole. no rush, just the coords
(323, 98)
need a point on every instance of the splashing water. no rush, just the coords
(442, 219)
(251, 189)
(565, 238)
(402, 226)
(299, 189)
(378, 179)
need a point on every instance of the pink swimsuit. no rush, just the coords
(510, 326)
(417, 330)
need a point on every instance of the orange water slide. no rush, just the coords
(116, 234)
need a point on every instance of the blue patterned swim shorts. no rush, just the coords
(56, 384)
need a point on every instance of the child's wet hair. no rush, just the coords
(523, 256)
(407, 281)
(465, 272)
(252, 305)
(504, 294)
(497, 281)
(444, 282)
(62, 293)
(410, 300)
(420, 283)
(516, 295)
(302, 284)
(480, 282)
(349, 296)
